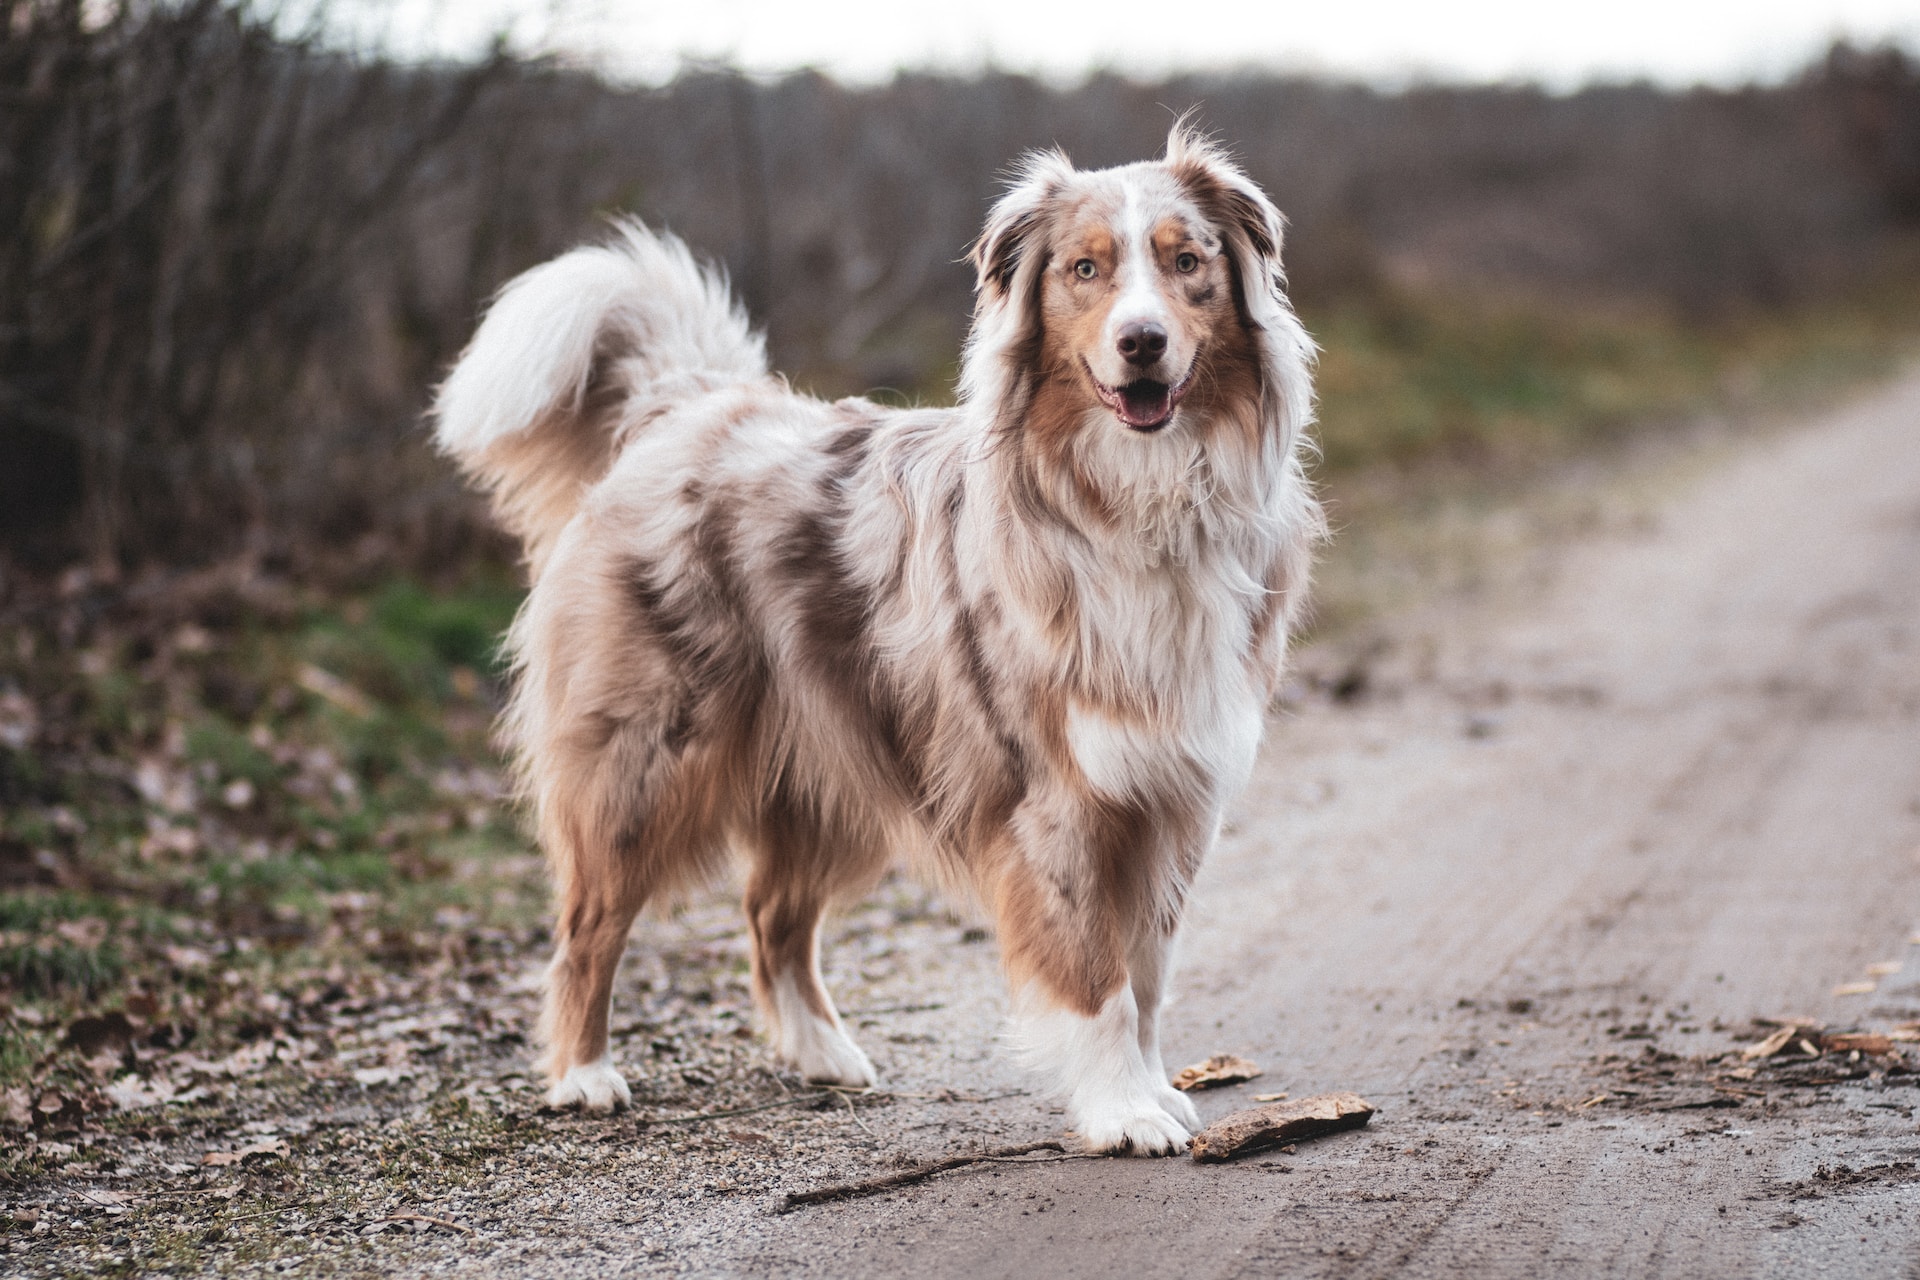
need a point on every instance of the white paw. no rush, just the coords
(823, 1054)
(1137, 1126)
(591, 1086)
(1179, 1106)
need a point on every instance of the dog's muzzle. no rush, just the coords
(1144, 404)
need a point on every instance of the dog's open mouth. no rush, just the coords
(1143, 404)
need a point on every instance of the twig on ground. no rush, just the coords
(430, 1220)
(847, 1098)
(907, 1177)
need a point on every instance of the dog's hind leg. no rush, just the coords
(595, 916)
(798, 870)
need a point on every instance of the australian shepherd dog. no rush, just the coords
(1026, 643)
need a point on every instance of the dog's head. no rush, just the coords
(1140, 299)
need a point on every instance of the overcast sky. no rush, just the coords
(1384, 41)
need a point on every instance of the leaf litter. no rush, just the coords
(270, 951)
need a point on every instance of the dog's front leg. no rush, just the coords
(1152, 963)
(1067, 938)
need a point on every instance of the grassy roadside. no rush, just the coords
(1434, 415)
(258, 867)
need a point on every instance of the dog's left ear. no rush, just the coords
(1252, 227)
(1238, 209)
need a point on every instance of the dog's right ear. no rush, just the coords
(1012, 238)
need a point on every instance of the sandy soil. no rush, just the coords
(1521, 866)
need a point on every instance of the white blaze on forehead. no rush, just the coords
(1140, 297)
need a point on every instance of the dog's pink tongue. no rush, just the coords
(1145, 403)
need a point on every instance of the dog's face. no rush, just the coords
(1137, 284)
(1132, 289)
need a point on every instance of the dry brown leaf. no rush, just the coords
(1876, 1045)
(188, 958)
(1221, 1068)
(131, 1093)
(114, 1202)
(265, 1147)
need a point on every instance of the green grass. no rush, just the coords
(1434, 414)
(1409, 383)
(241, 780)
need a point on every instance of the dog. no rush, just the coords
(1026, 643)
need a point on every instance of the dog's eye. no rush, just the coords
(1085, 269)
(1186, 264)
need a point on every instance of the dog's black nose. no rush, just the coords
(1142, 342)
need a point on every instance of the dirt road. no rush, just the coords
(1523, 868)
(1562, 849)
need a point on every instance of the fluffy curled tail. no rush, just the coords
(570, 351)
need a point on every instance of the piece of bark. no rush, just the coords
(1772, 1044)
(1221, 1068)
(1865, 1042)
(1279, 1123)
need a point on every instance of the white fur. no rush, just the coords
(1140, 298)
(1116, 1101)
(818, 1048)
(1151, 966)
(534, 352)
(591, 1086)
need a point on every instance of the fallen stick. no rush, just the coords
(1279, 1123)
(907, 1177)
(430, 1220)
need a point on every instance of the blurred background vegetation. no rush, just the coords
(247, 620)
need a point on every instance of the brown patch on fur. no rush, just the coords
(836, 617)
(1069, 930)
(536, 477)
(800, 866)
(1228, 379)
(1252, 235)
